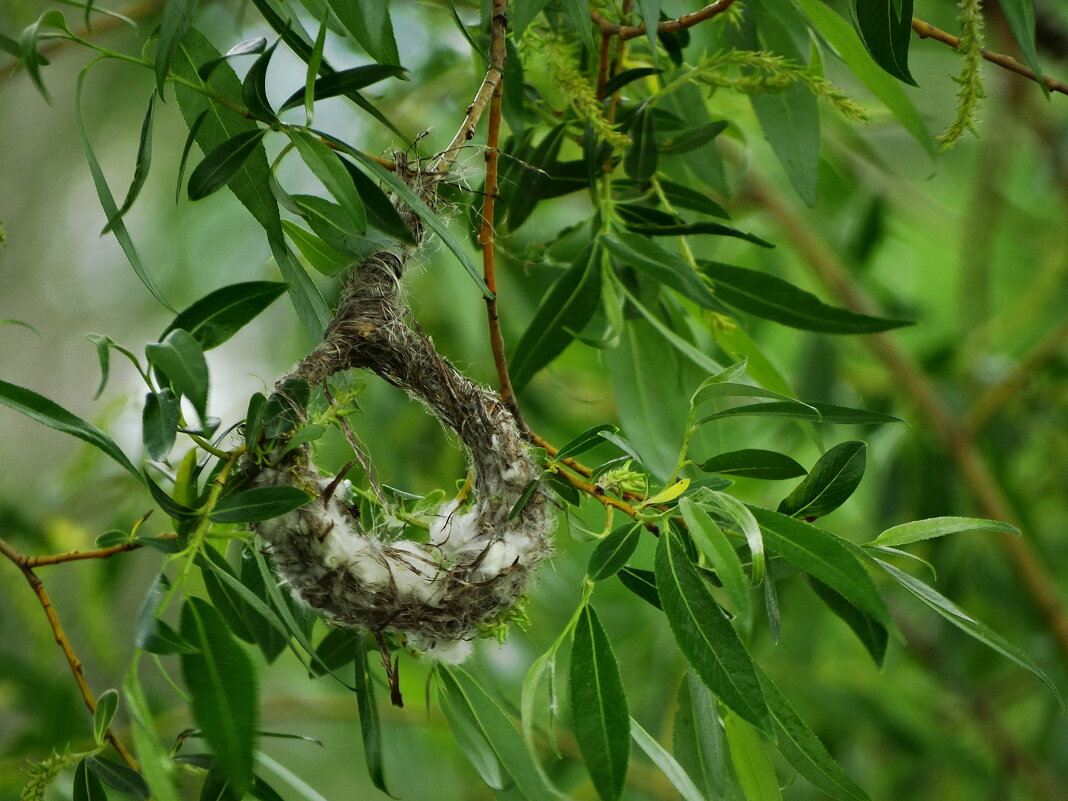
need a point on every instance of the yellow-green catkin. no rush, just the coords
(970, 79)
(580, 93)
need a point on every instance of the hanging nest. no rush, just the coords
(478, 560)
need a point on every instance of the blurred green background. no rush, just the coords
(972, 244)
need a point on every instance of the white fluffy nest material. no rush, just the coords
(477, 562)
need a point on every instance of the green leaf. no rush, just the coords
(466, 699)
(704, 635)
(107, 200)
(886, 28)
(969, 625)
(621, 79)
(332, 225)
(380, 212)
(938, 527)
(141, 165)
(612, 553)
(87, 786)
(729, 507)
(667, 268)
(689, 229)
(159, 423)
(369, 22)
(586, 441)
(326, 166)
(579, 13)
(39, 408)
(247, 47)
(565, 308)
(829, 483)
(772, 298)
(823, 556)
(796, 410)
(322, 257)
(176, 22)
(220, 314)
(640, 160)
(222, 163)
(254, 88)
(523, 13)
(26, 48)
(107, 703)
(790, 120)
(222, 683)
(370, 728)
(671, 769)
(754, 463)
(841, 36)
(691, 140)
(243, 601)
(873, 635)
(600, 717)
(686, 198)
(650, 11)
(722, 558)
(752, 766)
(259, 503)
(181, 359)
(118, 776)
(698, 738)
(642, 583)
(1020, 15)
(152, 634)
(156, 764)
(173, 508)
(345, 81)
(531, 174)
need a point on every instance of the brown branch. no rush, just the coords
(988, 495)
(63, 642)
(1000, 393)
(625, 32)
(74, 556)
(927, 31)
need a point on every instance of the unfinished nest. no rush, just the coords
(478, 560)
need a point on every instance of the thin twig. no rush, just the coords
(625, 32)
(927, 31)
(75, 556)
(1000, 393)
(825, 264)
(63, 642)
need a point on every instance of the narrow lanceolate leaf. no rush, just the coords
(141, 165)
(642, 583)
(613, 551)
(599, 706)
(698, 738)
(790, 120)
(259, 503)
(1021, 18)
(181, 359)
(772, 298)
(119, 776)
(703, 227)
(739, 514)
(886, 28)
(220, 314)
(224, 693)
(156, 764)
(254, 87)
(800, 746)
(671, 769)
(752, 766)
(691, 140)
(369, 22)
(640, 160)
(331, 224)
(704, 635)
(467, 702)
(247, 47)
(873, 635)
(222, 163)
(823, 556)
(345, 81)
(563, 311)
(322, 161)
(381, 213)
(667, 268)
(46, 412)
(830, 482)
(754, 463)
(107, 703)
(938, 527)
(159, 423)
(815, 412)
(370, 729)
(722, 558)
(586, 441)
(969, 625)
(175, 24)
(322, 257)
(87, 786)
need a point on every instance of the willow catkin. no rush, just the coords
(477, 561)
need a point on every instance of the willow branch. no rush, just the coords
(1000, 393)
(988, 495)
(22, 562)
(927, 31)
(624, 32)
(75, 556)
